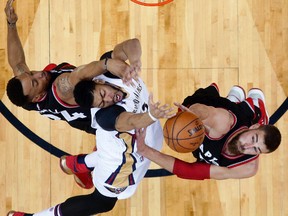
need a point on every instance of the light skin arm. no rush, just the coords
(216, 172)
(243, 171)
(16, 56)
(217, 121)
(163, 160)
(128, 121)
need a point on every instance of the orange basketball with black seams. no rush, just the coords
(184, 132)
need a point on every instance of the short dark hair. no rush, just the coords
(272, 137)
(15, 93)
(83, 93)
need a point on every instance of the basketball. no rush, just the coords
(184, 132)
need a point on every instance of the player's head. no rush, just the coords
(97, 94)
(28, 87)
(272, 137)
(258, 139)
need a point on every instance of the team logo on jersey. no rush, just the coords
(116, 190)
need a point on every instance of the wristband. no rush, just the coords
(152, 117)
(10, 24)
(196, 170)
(105, 63)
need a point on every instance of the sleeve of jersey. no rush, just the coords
(106, 117)
(195, 171)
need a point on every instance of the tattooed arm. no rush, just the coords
(66, 82)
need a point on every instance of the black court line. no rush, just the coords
(279, 112)
(58, 152)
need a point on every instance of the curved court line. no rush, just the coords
(151, 4)
(58, 152)
(30, 134)
(279, 112)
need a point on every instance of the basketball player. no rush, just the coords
(117, 168)
(50, 91)
(232, 144)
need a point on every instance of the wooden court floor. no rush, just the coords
(185, 45)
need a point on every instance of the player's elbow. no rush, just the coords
(125, 122)
(135, 41)
(251, 171)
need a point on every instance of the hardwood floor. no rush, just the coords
(186, 44)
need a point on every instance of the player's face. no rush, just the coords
(249, 142)
(35, 84)
(106, 95)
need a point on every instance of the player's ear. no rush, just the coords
(254, 126)
(99, 81)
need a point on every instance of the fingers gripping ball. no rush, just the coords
(184, 132)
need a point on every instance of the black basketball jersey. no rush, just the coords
(54, 108)
(211, 151)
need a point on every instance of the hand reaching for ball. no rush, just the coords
(157, 111)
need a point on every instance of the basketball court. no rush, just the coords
(186, 44)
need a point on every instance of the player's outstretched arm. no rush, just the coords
(196, 170)
(129, 121)
(185, 170)
(163, 160)
(243, 171)
(201, 170)
(66, 82)
(16, 56)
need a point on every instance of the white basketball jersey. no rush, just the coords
(118, 168)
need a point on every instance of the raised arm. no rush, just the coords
(16, 56)
(66, 82)
(128, 121)
(87, 72)
(129, 50)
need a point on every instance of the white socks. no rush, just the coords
(90, 160)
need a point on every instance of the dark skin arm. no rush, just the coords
(126, 50)
(130, 50)
(128, 121)
(66, 82)
(16, 56)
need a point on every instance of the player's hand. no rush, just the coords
(120, 69)
(181, 107)
(157, 111)
(11, 16)
(136, 69)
